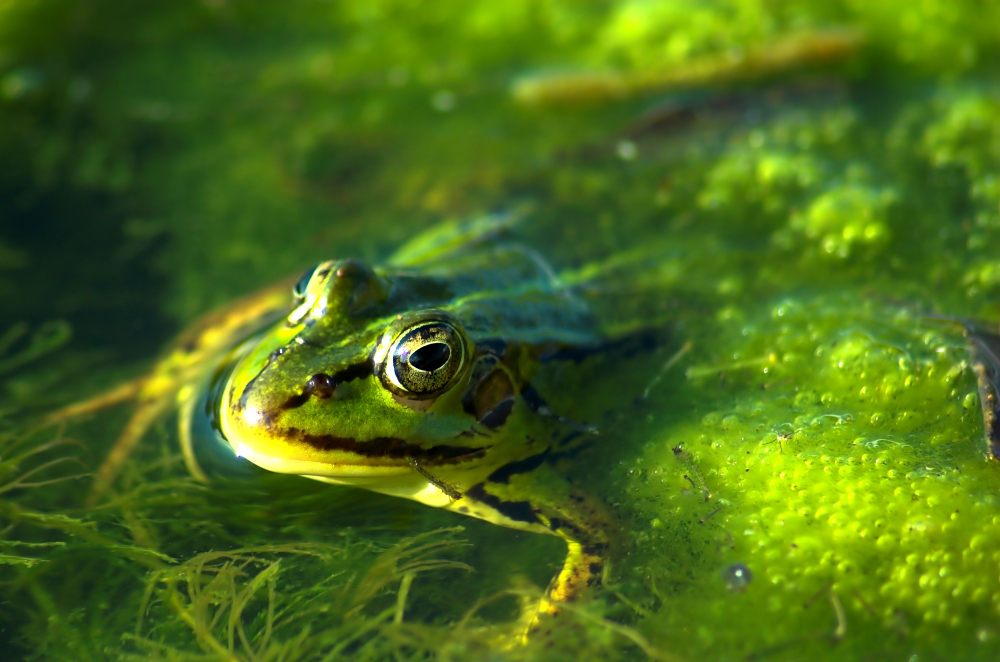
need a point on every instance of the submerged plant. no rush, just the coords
(29, 459)
(253, 604)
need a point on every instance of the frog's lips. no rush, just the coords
(314, 468)
(342, 463)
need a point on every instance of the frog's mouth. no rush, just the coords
(303, 467)
(347, 464)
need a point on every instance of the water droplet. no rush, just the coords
(627, 150)
(20, 83)
(444, 101)
(737, 577)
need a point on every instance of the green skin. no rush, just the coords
(318, 394)
(412, 380)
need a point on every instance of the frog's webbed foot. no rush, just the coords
(585, 561)
(985, 348)
(530, 491)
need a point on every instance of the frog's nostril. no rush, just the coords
(321, 385)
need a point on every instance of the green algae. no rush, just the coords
(797, 236)
(864, 483)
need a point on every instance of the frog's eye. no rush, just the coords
(299, 289)
(307, 290)
(424, 359)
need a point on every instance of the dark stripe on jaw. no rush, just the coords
(386, 448)
(532, 399)
(503, 474)
(518, 511)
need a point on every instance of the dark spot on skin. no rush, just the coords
(468, 405)
(595, 568)
(518, 511)
(503, 474)
(532, 399)
(570, 453)
(499, 414)
(576, 434)
(555, 523)
(575, 532)
(463, 510)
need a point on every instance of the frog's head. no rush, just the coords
(363, 377)
(334, 290)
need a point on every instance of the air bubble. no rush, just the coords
(737, 577)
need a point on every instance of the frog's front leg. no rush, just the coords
(530, 494)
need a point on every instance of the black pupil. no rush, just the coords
(300, 287)
(430, 357)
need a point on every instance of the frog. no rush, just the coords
(413, 379)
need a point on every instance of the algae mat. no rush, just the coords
(801, 194)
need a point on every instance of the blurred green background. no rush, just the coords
(796, 185)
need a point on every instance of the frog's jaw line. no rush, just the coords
(416, 488)
(311, 468)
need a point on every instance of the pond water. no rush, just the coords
(799, 198)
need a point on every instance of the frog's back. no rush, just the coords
(498, 290)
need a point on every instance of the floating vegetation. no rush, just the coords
(784, 55)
